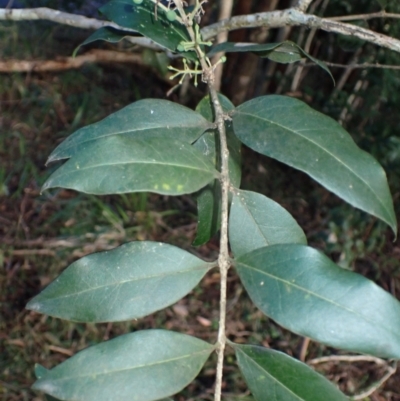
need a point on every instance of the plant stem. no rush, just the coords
(223, 258)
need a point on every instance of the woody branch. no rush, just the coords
(273, 19)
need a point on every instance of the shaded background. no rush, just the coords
(41, 234)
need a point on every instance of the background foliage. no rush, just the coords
(38, 232)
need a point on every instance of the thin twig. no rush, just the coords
(270, 19)
(225, 13)
(302, 5)
(347, 358)
(44, 13)
(304, 348)
(294, 17)
(68, 63)
(365, 17)
(354, 66)
(299, 71)
(26, 252)
(391, 371)
(77, 21)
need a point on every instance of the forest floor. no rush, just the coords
(41, 234)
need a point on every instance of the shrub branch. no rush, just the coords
(294, 17)
(76, 21)
(223, 258)
(271, 19)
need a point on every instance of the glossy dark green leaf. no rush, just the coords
(142, 366)
(273, 375)
(146, 118)
(129, 282)
(286, 53)
(256, 221)
(305, 292)
(283, 52)
(288, 130)
(263, 50)
(237, 47)
(116, 164)
(108, 34)
(208, 212)
(41, 371)
(209, 198)
(142, 18)
(205, 108)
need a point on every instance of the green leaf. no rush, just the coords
(237, 47)
(286, 53)
(305, 292)
(205, 108)
(273, 375)
(108, 34)
(116, 164)
(256, 221)
(146, 118)
(209, 198)
(142, 366)
(141, 18)
(283, 52)
(129, 282)
(208, 212)
(40, 372)
(288, 130)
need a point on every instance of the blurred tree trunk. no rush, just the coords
(241, 74)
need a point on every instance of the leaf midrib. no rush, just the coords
(197, 268)
(248, 212)
(126, 132)
(132, 162)
(272, 377)
(129, 368)
(301, 289)
(325, 150)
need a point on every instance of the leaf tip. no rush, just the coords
(44, 385)
(53, 157)
(40, 371)
(45, 186)
(33, 305)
